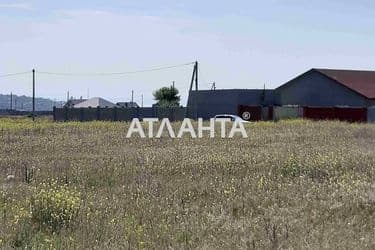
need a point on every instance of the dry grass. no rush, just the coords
(293, 184)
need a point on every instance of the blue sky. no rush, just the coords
(239, 44)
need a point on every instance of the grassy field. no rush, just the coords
(292, 184)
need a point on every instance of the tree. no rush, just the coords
(167, 97)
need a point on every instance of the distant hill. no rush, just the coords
(25, 103)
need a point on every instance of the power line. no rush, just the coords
(115, 73)
(15, 74)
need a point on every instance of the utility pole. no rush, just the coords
(33, 94)
(194, 77)
(173, 84)
(132, 98)
(142, 100)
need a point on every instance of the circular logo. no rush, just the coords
(246, 115)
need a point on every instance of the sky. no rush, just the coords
(238, 44)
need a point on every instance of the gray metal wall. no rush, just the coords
(371, 114)
(208, 103)
(371, 102)
(315, 89)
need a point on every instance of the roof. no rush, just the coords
(362, 82)
(128, 104)
(73, 102)
(76, 101)
(95, 102)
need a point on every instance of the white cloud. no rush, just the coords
(23, 6)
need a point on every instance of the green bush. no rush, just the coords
(291, 168)
(54, 206)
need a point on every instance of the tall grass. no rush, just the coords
(293, 184)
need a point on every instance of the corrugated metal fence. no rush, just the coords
(350, 114)
(287, 112)
(251, 113)
(9, 112)
(118, 114)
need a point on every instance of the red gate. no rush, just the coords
(250, 113)
(337, 113)
(351, 114)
